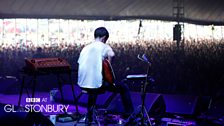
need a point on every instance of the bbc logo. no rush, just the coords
(32, 99)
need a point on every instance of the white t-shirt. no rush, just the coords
(90, 64)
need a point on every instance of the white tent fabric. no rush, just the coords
(195, 11)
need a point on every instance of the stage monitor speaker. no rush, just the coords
(9, 85)
(154, 104)
(215, 107)
(23, 118)
(177, 32)
(180, 104)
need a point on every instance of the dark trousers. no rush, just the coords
(120, 88)
(124, 92)
(92, 96)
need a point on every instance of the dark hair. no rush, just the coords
(100, 32)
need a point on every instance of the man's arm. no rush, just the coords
(110, 55)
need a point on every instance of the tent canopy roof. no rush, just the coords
(203, 12)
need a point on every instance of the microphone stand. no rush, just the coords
(143, 95)
(142, 109)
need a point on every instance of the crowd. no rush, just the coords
(195, 67)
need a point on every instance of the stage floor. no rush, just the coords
(113, 120)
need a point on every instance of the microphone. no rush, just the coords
(144, 57)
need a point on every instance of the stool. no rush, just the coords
(91, 117)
